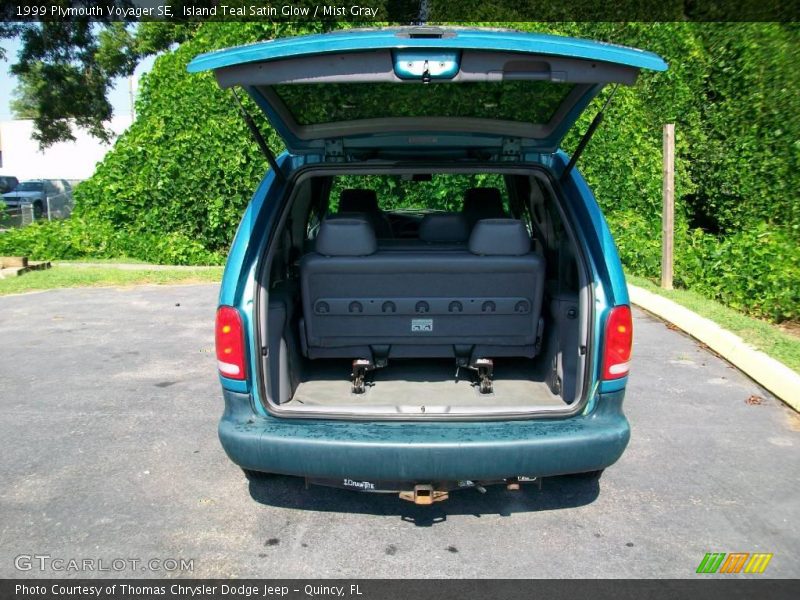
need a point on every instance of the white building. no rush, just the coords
(20, 155)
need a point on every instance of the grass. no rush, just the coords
(770, 339)
(63, 277)
(108, 261)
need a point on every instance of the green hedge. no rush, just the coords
(175, 185)
(79, 237)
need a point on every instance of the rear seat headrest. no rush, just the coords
(500, 237)
(484, 202)
(358, 200)
(444, 227)
(346, 237)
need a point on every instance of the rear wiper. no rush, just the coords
(262, 144)
(587, 136)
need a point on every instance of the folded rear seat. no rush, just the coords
(362, 302)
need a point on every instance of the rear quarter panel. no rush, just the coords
(238, 287)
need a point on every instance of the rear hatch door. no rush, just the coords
(425, 92)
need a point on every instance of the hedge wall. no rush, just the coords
(174, 186)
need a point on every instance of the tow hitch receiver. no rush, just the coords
(424, 494)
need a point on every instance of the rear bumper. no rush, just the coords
(423, 451)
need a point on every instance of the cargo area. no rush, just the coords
(471, 304)
(414, 385)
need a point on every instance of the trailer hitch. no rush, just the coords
(424, 494)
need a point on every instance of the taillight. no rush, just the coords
(618, 343)
(230, 343)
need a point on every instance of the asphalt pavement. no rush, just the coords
(110, 401)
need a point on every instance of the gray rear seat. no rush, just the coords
(362, 302)
(482, 203)
(357, 200)
(444, 228)
(437, 231)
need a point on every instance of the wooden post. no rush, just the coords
(668, 211)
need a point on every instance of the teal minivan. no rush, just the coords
(481, 334)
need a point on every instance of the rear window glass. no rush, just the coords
(525, 101)
(397, 193)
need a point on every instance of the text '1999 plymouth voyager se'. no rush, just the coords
(419, 350)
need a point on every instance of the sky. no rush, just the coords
(119, 96)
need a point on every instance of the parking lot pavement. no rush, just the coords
(108, 439)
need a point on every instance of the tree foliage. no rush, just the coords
(23, 103)
(66, 69)
(181, 176)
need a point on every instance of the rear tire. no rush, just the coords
(37, 211)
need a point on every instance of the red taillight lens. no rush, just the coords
(230, 343)
(618, 343)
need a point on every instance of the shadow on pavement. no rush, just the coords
(556, 493)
